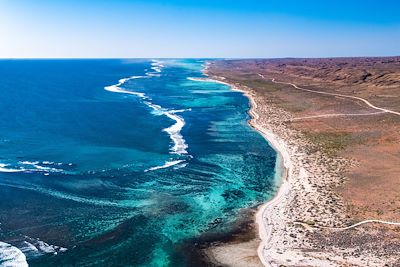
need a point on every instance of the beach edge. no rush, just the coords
(282, 167)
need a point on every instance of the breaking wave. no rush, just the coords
(45, 167)
(11, 256)
(174, 131)
(166, 165)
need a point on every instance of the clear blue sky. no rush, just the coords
(186, 28)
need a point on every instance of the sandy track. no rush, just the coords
(338, 115)
(335, 94)
(361, 223)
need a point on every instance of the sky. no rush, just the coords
(201, 29)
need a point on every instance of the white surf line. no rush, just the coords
(174, 131)
(338, 115)
(3, 168)
(335, 94)
(116, 88)
(11, 256)
(27, 166)
(157, 65)
(166, 165)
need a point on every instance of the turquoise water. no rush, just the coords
(122, 162)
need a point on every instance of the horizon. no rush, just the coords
(44, 29)
(199, 58)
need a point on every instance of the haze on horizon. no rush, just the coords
(207, 29)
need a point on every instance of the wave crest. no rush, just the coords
(174, 131)
(166, 165)
(45, 167)
(11, 256)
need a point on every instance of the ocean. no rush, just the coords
(122, 162)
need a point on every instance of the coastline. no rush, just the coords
(283, 229)
(282, 176)
(306, 223)
(294, 224)
(282, 168)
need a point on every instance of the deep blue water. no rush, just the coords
(99, 171)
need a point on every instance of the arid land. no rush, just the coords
(336, 123)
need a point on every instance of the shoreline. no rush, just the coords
(278, 219)
(286, 222)
(282, 167)
(282, 176)
(307, 222)
(282, 170)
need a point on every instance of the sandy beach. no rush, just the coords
(276, 227)
(296, 227)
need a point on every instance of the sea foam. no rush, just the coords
(174, 131)
(116, 88)
(35, 166)
(15, 255)
(11, 256)
(4, 168)
(30, 166)
(34, 247)
(166, 165)
(156, 66)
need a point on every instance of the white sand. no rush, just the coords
(305, 196)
